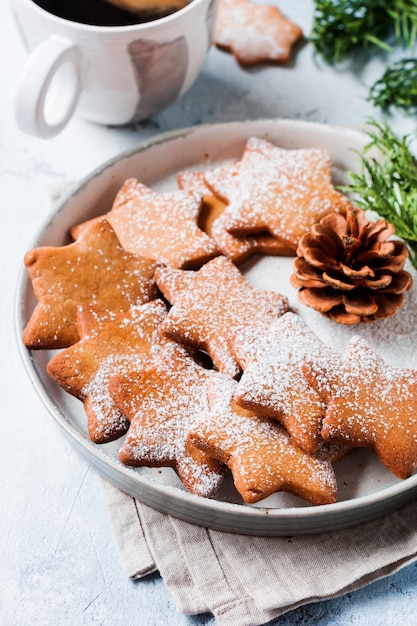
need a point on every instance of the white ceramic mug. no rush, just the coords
(108, 74)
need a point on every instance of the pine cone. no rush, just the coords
(346, 269)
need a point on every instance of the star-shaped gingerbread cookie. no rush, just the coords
(210, 303)
(273, 189)
(261, 455)
(109, 343)
(370, 404)
(161, 403)
(94, 270)
(212, 221)
(254, 33)
(273, 384)
(160, 225)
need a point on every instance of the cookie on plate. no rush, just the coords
(273, 384)
(161, 402)
(276, 190)
(94, 270)
(261, 455)
(370, 404)
(208, 304)
(212, 221)
(159, 225)
(109, 343)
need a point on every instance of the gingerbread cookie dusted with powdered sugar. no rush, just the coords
(212, 221)
(283, 192)
(210, 303)
(254, 33)
(161, 403)
(370, 404)
(273, 384)
(109, 343)
(159, 225)
(93, 270)
(261, 455)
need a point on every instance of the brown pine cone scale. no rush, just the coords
(348, 270)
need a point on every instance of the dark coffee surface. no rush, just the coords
(96, 12)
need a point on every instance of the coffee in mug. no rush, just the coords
(102, 13)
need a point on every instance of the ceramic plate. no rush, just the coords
(366, 489)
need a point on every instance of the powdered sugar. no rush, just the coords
(272, 381)
(210, 303)
(395, 338)
(161, 407)
(370, 404)
(254, 32)
(259, 452)
(282, 191)
(110, 342)
(161, 226)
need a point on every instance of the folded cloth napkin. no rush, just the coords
(245, 580)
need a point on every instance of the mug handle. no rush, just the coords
(39, 97)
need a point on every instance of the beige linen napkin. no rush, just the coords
(245, 580)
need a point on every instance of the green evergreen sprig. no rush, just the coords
(397, 86)
(404, 19)
(388, 185)
(341, 26)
